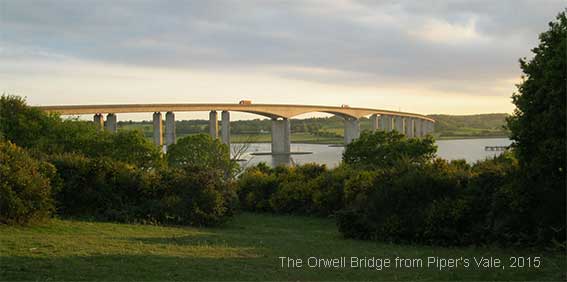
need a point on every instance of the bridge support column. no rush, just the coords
(418, 123)
(99, 121)
(399, 124)
(375, 123)
(213, 124)
(281, 133)
(111, 123)
(386, 123)
(408, 127)
(170, 136)
(225, 127)
(158, 129)
(352, 130)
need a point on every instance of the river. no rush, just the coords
(471, 150)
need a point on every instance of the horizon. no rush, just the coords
(454, 58)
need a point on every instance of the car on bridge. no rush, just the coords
(245, 102)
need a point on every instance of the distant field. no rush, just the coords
(246, 249)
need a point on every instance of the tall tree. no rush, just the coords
(538, 126)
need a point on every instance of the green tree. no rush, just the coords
(538, 129)
(203, 152)
(384, 149)
(23, 125)
(25, 186)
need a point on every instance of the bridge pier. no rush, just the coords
(225, 127)
(352, 129)
(398, 124)
(418, 123)
(111, 123)
(281, 133)
(408, 127)
(98, 120)
(158, 129)
(170, 136)
(375, 123)
(386, 123)
(213, 124)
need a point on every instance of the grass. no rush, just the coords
(247, 248)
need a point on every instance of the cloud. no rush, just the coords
(438, 31)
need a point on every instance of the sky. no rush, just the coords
(427, 57)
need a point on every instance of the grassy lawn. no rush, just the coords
(245, 249)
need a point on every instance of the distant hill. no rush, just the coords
(483, 125)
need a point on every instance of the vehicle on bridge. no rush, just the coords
(245, 102)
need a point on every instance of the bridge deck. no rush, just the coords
(268, 110)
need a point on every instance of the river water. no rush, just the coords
(471, 150)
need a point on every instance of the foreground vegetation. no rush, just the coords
(247, 248)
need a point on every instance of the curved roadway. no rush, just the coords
(268, 110)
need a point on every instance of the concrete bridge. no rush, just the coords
(410, 124)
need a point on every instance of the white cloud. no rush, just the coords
(441, 31)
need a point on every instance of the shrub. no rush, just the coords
(255, 187)
(401, 204)
(25, 189)
(384, 149)
(297, 190)
(106, 189)
(101, 188)
(197, 197)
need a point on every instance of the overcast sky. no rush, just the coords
(454, 57)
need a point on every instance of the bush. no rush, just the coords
(107, 189)
(197, 197)
(295, 191)
(101, 188)
(255, 187)
(384, 149)
(287, 190)
(25, 186)
(403, 204)
(441, 203)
